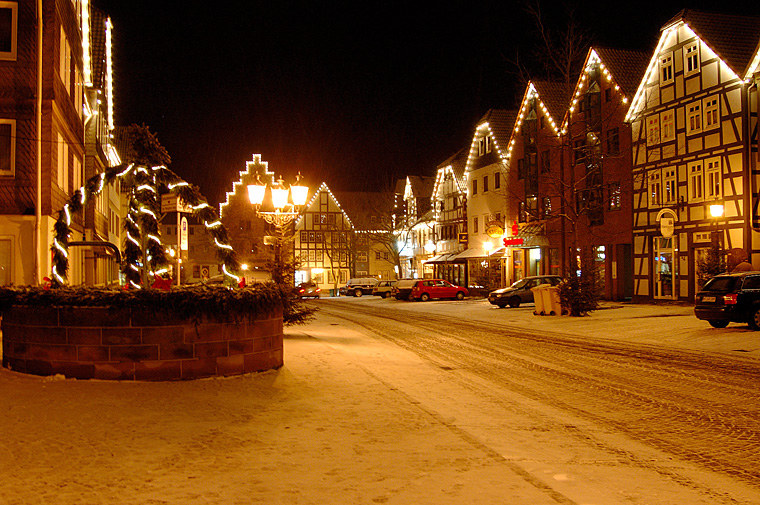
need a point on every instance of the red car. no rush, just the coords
(426, 289)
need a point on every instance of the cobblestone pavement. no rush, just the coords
(697, 407)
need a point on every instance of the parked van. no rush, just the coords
(358, 287)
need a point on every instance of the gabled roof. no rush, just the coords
(734, 40)
(454, 164)
(622, 67)
(498, 123)
(322, 188)
(555, 96)
(359, 206)
(419, 186)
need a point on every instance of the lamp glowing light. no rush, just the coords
(716, 210)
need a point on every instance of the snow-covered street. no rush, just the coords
(355, 417)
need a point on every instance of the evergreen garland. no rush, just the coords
(145, 187)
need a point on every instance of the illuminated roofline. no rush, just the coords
(243, 173)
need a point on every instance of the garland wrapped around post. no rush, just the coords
(145, 186)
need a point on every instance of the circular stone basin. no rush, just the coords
(137, 344)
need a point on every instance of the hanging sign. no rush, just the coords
(462, 238)
(183, 234)
(494, 229)
(173, 203)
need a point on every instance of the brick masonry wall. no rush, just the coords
(123, 344)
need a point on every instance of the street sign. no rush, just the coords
(183, 234)
(462, 238)
(173, 203)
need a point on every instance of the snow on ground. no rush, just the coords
(347, 420)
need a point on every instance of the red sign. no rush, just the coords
(512, 241)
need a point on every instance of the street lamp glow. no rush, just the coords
(256, 192)
(716, 210)
(279, 195)
(244, 266)
(299, 192)
(430, 247)
(487, 247)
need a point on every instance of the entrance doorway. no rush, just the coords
(664, 268)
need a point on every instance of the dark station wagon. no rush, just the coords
(730, 298)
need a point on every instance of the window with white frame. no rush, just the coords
(712, 113)
(694, 118)
(696, 181)
(713, 179)
(78, 175)
(653, 130)
(691, 58)
(666, 69)
(655, 188)
(670, 186)
(488, 144)
(474, 186)
(63, 164)
(8, 30)
(7, 147)
(667, 126)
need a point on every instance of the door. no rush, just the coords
(664, 268)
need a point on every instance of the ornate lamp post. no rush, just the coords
(284, 210)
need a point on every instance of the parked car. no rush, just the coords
(520, 291)
(308, 290)
(383, 289)
(426, 289)
(358, 287)
(403, 288)
(730, 298)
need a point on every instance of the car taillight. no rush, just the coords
(729, 299)
(300, 290)
(319, 289)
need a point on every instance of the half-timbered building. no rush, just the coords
(692, 132)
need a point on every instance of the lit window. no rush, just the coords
(653, 130)
(691, 58)
(696, 182)
(63, 164)
(667, 126)
(670, 186)
(8, 30)
(666, 69)
(547, 207)
(614, 196)
(7, 147)
(713, 179)
(655, 188)
(712, 113)
(694, 118)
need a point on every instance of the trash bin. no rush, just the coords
(539, 298)
(552, 304)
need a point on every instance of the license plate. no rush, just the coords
(708, 298)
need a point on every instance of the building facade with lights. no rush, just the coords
(598, 178)
(694, 132)
(415, 228)
(48, 138)
(449, 205)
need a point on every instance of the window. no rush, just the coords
(520, 169)
(474, 186)
(474, 225)
(78, 175)
(488, 144)
(667, 126)
(6, 263)
(497, 180)
(670, 186)
(691, 58)
(655, 188)
(578, 151)
(532, 208)
(545, 162)
(653, 130)
(547, 207)
(64, 61)
(521, 215)
(485, 184)
(613, 196)
(484, 145)
(7, 147)
(8, 30)
(696, 182)
(666, 69)
(712, 113)
(694, 118)
(713, 179)
(607, 94)
(63, 164)
(613, 141)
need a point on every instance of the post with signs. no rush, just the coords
(172, 203)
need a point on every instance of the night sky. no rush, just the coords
(355, 96)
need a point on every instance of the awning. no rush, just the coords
(533, 235)
(442, 258)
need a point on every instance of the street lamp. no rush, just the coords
(487, 248)
(284, 211)
(716, 211)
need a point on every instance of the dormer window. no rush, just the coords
(484, 145)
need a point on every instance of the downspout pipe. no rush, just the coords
(38, 197)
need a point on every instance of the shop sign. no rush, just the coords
(462, 238)
(494, 229)
(511, 242)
